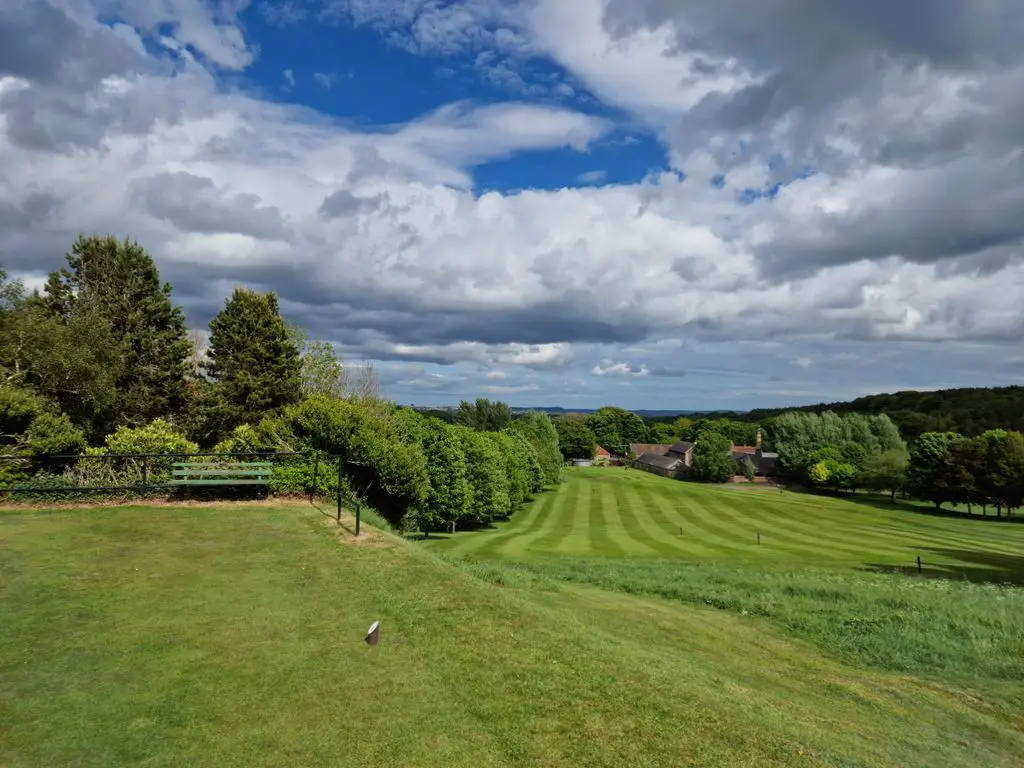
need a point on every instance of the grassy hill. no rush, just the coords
(232, 636)
(614, 513)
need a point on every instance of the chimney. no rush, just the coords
(758, 443)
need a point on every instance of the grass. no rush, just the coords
(232, 636)
(618, 514)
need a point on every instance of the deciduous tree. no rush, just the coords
(575, 439)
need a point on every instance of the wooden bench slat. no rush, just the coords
(239, 464)
(233, 472)
(219, 482)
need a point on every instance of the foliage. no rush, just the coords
(798, 436)
(541, 434)
(737, 432)
(159, 436)
(381, 465)
(486, 472)
(969, 411)
(616, 428)
(575, 439)
(927, 476)
(521, 467)
(322, 372)
(71, 361)
(886, 472)
(749, 470)
(484, 415)
(120, 283)
(712, 459)
(52, 434)
(252, 361)
(449, 492)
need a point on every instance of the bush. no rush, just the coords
(541, 434)
(53, 435)
(156, 437)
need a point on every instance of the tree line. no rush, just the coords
(100, 361)
(967, 411)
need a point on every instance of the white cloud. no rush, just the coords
(592, 177)
(609, 368)
(289, 78)
(376, 237)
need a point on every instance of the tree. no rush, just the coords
(488, 482)
(449, 493)
(119, 282)
(575, 439)
(484, 415)
(965, 471)
(543, 437)
(927, 468)
(253, 362)
(322, 372)
(72, 362)
(749, 470)
(886, 472)
(616, 428)
(712, 459)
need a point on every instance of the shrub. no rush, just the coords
(156, 437)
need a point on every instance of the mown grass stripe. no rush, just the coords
(562, 521)
(662, 505)
(636, 539)
(600, 531)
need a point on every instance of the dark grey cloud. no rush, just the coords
(195, 204)
(39, 42)
(344, 203)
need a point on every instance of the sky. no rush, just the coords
(662, 204)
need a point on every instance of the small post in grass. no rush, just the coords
(918, 563)
(358, 505)
(758, 538)
(373, 635)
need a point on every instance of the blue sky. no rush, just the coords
(649, 204)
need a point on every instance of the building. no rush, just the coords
(602, 458)
(666, 466)
(765, 464)
(658, 449)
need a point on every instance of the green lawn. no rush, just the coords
(232, 636)
(615, 513)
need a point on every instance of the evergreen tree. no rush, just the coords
(120, 283)
(253, 362)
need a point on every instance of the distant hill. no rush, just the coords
(968, 411)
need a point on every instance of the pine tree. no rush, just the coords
(252, 360)
(120, 283)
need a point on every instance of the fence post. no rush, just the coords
(358, 505)
(316, 472)
(339, 489)
(145, 470)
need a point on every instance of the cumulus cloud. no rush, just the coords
(610, 368)
(865, 201)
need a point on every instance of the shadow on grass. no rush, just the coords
(975, 566)
(900, 505)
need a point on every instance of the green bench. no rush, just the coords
(221, 473)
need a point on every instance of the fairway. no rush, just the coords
(615, 513)
(233, 636)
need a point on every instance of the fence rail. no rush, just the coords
(140, 460)
(143, 464)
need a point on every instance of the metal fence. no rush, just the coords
(154, 473)
(147, 467)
